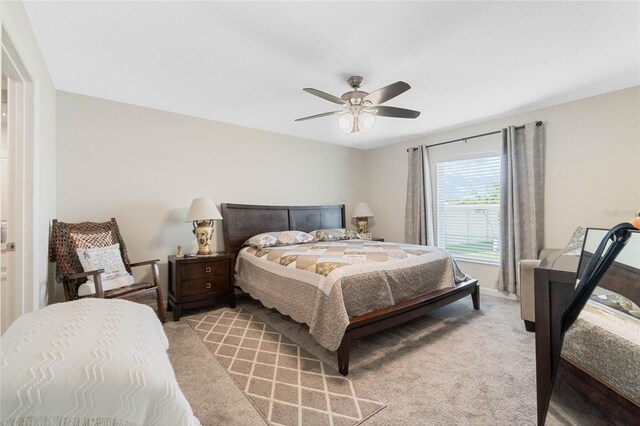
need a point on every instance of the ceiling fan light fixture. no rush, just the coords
(346, 122)
(360, 108)
(365, 121)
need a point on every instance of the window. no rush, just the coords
(468, 208)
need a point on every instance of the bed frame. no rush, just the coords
(242, 221)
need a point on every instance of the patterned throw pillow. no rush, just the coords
(284, 238)
(108, 258)
(92, 240)
(615, 301)
(335, 234)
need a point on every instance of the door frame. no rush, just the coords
(20, 126)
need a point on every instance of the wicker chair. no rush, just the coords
(69, 271)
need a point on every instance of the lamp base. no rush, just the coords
(203, 231)
(363, 222)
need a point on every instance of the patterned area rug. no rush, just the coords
(286, 384)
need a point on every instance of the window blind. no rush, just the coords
(468, 208)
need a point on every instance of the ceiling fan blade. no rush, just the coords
(324, 114)
(323, 95)
(389, 111)
(387, 92)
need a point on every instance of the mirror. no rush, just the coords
(598, 376)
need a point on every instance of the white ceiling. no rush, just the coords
(246, 63)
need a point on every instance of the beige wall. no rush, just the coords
(43, 196)
(144, 167)
(592, 169)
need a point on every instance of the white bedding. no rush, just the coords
(90, 362)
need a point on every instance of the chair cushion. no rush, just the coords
(89, 287)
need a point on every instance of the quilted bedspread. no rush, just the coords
(90, 362)
(324, 284)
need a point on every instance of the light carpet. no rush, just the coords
(286, 384)
(455, 366)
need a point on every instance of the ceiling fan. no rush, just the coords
(360, 108)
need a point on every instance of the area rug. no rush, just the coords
(286, 384)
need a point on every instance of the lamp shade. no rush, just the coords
(362, 210)
(202, 209)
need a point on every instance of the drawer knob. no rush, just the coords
(208, 285)
(207, 270)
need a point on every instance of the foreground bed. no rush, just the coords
(90, 361)
(605, 344)
(418, 279)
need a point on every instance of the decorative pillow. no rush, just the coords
(615, 301)
(108, 258)
(284, 238)
(92, 240)
(335, 234)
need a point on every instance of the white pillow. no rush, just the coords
(109, 258)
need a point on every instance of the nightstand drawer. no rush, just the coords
(204, 270)
(195, 282)
(214, 284)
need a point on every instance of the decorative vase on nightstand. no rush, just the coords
(202, 213)
(362, 213)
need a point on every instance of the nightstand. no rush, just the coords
(199, 281)
(378, 239)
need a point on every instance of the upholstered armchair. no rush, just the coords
(526, 279)
(92, 261)
(526, 284)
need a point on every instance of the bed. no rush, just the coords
(415, 280)
(90, 361)
(605, 344)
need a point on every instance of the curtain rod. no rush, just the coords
(538, 124)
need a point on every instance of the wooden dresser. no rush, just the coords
(555, 282)
(199, 281)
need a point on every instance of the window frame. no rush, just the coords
(434, 190)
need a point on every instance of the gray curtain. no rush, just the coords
(418, 220)
(521, 200)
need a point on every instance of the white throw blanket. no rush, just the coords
(90, 362)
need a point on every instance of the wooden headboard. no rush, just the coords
(243, 221)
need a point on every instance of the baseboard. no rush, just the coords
(498, 293)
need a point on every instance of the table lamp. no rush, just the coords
(362, 213)
(202, 213)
